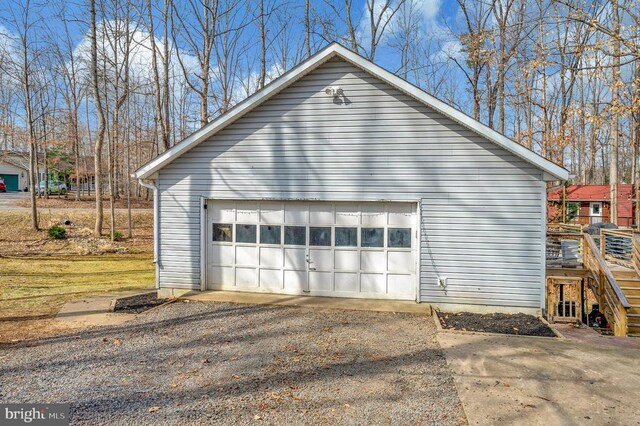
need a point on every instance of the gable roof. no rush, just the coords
(315, 61)
(15, 158)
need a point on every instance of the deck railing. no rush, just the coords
(616, 246)
(612, 300)
(564, 249)
(564, 227)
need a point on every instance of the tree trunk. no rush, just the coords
(33, 155)
(615, 105)
(101, 124)
(307, 28)
(263, 48)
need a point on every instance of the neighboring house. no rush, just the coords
(341, 179)
(14, 170)
(587, 204)
(85, 175)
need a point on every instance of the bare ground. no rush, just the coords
(18, 239)
(69, 201)
(222, 363)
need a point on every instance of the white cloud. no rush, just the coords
(428, 9)
(422, 12)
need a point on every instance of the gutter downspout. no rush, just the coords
(150, 184)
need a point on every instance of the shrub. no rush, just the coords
(117, 236)
(57, 232)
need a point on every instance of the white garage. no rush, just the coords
(340, 179)
(342, 249)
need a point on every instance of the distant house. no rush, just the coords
(587, 204)
(85, 176)
(14, 170)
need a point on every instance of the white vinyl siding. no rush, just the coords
(481, 205)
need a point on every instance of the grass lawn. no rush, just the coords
(33, 289)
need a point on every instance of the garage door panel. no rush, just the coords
(346, 260)
(271, 257)
(373, 283)
(321, 214)
(247, 256)
(347, 214)
(222, 255)
(247, 213)
(246, 277)
(321, 260)
(296, 213)
(271, 279)
(221, 275)
(400, 215)
(225, 212)
(320, 282)
(346, 282)
(295, 258)
(271, 213)
(400, 284)
(295, 281)
(402, 261)
(373, 261)
(373, 214)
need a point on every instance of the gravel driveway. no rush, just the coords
(221, 363)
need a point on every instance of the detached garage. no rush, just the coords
(340, 179)
(12, 171)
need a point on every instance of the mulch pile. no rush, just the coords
(138, 304)
(520, 324)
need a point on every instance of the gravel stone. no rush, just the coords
(222, 363)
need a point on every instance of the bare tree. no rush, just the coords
(196, 27)
(380, 16)
(99, 142)
(474, 39)
(159, 94)
(22, 68)
(615, 107)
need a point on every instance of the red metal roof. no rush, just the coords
(598, 193)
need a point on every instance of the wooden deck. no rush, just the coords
(608, 272)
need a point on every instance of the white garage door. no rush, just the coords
(324, 249)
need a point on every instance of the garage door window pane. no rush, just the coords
(372, 237)
(246, 234)
(319, 236)
(269, 234)
(346, 237)
(399, 237)
(295, 235)
(222, 232)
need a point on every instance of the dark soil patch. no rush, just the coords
(520, 324)
(139, 303)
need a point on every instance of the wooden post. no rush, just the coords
(620, 327)
(564, 203)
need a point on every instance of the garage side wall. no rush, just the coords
(482, 207)
(7, 169)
